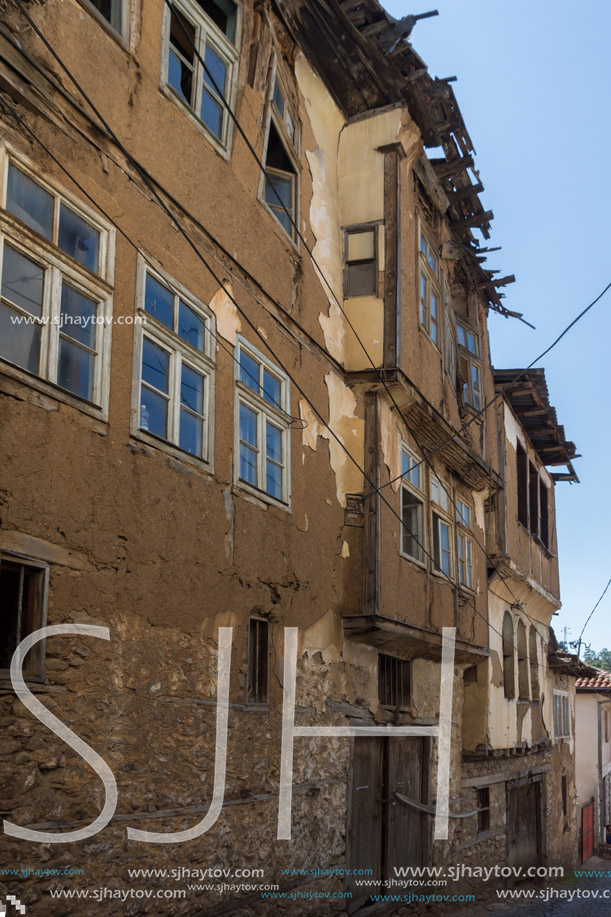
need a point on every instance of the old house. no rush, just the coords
(593, 760)
(244, 384)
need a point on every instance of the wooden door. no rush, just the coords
(587, 831)
(524, 824)
(383, 832)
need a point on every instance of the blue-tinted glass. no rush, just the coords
(155, 365)
(273, 480)
(22, 281)
(75, 369)
(19, 343)
(78, 238)
(248, 464)
(159, 301)
(192, 389)
(471, 343)
(423, 245)
(153, 412)
(28, 201)
(271, 388)
(273, 442)
(191, 433)
(180, 77)
(278, 191)
(249, 371)
(278, 98)
(211, 113)
(78, 314)
(248, 425)
(191, 327)
(215, 74)
(460, 334)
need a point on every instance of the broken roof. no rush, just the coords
(364, 56)
(529, 398)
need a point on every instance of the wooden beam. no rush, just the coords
(477, 219)
(376, 28)
(461, 193)
(446, 168)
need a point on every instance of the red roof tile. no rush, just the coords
(601, 682)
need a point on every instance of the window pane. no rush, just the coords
(278, 191)
(28, 201)
(159, 301)
(271, 388)
(180, 77)
(361, 246)
(471, 343)
(78, 314)
(361, 279)
(191, 433)
(211, 113)
(215, 74)
(411, 515)
(192, 389)
(153, 412)
(19, 344)
(273, 480)
(22, 281)
(273, 442)
(432, 262)
(191, 327)
(75, 369)
(110, 10)
(279, 98)
(248, 464)
(423, 245)
(248, 425)
(155, 365)
(285, 221)
(222, 13)
(460, 334)
(249, 371)
(78, 238)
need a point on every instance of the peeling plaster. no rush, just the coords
(348, 428)
(228, 323)
(345, 549)
(388, 435)
(479, 499)
(323, 637)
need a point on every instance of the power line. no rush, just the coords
(590, 615)
(255, 330)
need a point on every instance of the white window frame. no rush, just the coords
(291, 147)
(441, 514)
(561, 715)
(122, 33)
(264, 410)
(38, 675)
(434, 281)
(464, 545)
(473, 360)
(206, 31)
(417, 490)
(179, 351)
(450, 341)
(59, 265)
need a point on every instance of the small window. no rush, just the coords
(508, 657)
(204, 30)
(177, 372)
(534, 663)
(262, 425)
(257, 691)
(450, 355)
(55, 316)
(523, 683)
(394, 681)
(412, 507)
(561, 715)
(470, 365)
(23, 599)
(111, 11)
(361, 265)
(429, 283)
(281, 158)
(533, 499)
(522, 473)
(465, 544)
(483, 815)
(442, 527)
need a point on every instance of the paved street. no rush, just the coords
(584, 902)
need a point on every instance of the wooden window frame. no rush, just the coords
(59, 266)
(180, 352)
(441, 515)
(291, 148)
(562, 715)
(465, 544)
(355, 230)
(265, 411)
(434, 280)
(483, 803)
(472, 395)
(206, 32)
(416, 491)
(257, 677)
(509, 660)
(34, 666)
(120, 33)
(533, 498)
(394, 682)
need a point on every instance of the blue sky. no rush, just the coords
(534, 86)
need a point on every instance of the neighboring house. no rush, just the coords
(593, 759)
(206, 426)
(518, 737)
